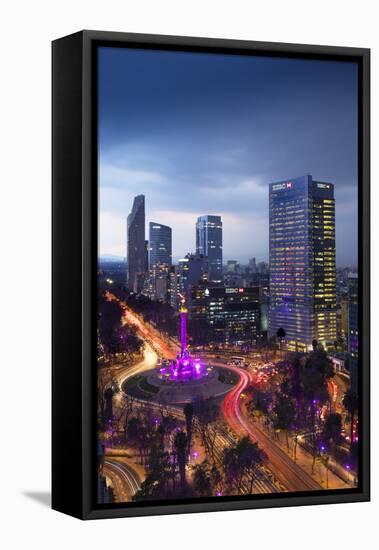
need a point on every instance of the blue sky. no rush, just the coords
(206, 134)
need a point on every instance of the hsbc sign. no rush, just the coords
(282, 186)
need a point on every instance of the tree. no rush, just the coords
(317, 371)
(350, 403)
(159, 313)
(259, 404)
(133, 427)
(136, 434)
(128, 339)
(206, 412)
(330, 437)
(108, 404)
(202, 479)
(316, 374)
(156, 484)
(255, 458)
(293, 383)
(188, 413)
(280, 334)
(127, 411)
(331, 434)
(272, 344)
(232, 471)
(113, 336)
(180, 445)
(109, 320)
(241, 464)
(284, 414)
(167, 426)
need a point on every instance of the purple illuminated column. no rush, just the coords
(183, 327)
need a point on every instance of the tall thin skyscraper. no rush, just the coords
(209, 244)
(160, 245)
(303, 262)
(136, 245)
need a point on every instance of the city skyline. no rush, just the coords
(195, 249)
(224, 147)
(217, 379)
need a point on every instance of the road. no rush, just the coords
(146, 330)
(125, 480)
(148, 362)
(287, 472)
(264, 483)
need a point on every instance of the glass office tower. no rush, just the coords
(136, 245)
(160, 245)
(209, 244)
(302, 262)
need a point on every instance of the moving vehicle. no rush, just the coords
(237, 361)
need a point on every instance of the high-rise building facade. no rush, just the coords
(231, 266)
(209, 244)
(136, 245)
(174, 287)
(343, 318)
(232, 314)
(193, 269)
(160, 260)
(303, 262)
(159, 282)
(242, 315)
(353, 339)
(160, 245)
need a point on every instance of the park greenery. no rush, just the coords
(301, 406)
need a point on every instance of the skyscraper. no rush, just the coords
(230, 314)
(160, 245)
(302, 262)
(193, 269)
(353, 331)
(159, 282)
(232, 266)
(136, 245)
(174, 287)
(209, 244)
(253, 265)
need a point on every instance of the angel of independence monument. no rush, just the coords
(184, 367)
(184, 378)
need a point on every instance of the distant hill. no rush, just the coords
(111, 258)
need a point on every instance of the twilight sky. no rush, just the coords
(206, 133)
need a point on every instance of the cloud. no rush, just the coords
(112, 234)
(207, 134)
(113, 175)
(245, 236)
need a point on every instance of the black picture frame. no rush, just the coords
(74, 206)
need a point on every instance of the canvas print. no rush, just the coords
(227, 314)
